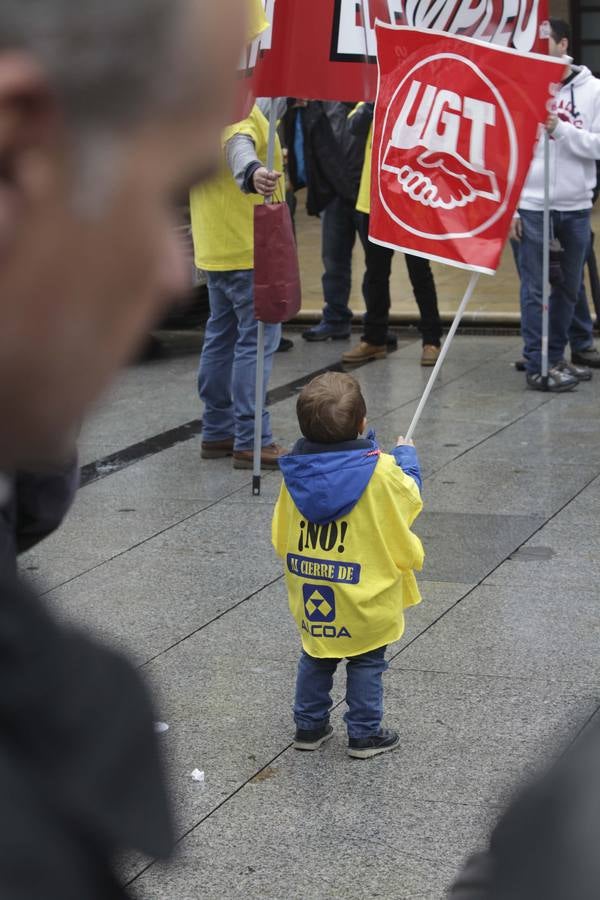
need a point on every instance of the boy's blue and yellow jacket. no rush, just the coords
(342, 525)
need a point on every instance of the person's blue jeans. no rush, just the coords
(227, 375)
(338, 235)
(573, 231)
(364, 692)
(581, 333)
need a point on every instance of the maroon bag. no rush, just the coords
(277, 292)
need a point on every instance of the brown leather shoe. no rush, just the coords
(217, 449)
(430, 354)
(364, 352)
(269, 457)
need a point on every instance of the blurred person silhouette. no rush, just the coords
(545, 846)
(94, 143)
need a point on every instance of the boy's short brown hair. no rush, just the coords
(331, 408)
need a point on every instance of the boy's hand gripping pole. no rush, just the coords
(444, 352)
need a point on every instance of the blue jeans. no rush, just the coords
(227, 375)
(573, 230)
(338, 233)
(364, 692)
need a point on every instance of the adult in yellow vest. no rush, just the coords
(222, 214)
(376, 282)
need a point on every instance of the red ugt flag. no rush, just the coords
(455, 126)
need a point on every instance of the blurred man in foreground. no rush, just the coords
(94, 142)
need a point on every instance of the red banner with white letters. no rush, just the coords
(326, 50)
(455, 126)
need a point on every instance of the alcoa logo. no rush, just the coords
(448, 158)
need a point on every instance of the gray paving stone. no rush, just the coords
(465, 547)
(545, 437)
(438, 442)
(160, 592)
(510, 487)
(177, 474)
(97, 529)
(421, 808)
(515, 632)
(269, 844)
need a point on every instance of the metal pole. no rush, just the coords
(546, 263)
(258, 406)
(592, 265)
(260, 339)
(436, 371)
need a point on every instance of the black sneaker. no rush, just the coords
(364, 748)
(589, 358)
(284, 345)
(558, 382)
(391, 340)
(520, 365)
(312, 740)
(581, 373)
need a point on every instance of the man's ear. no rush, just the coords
(27, 113)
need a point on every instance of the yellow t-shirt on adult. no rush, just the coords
(363, 204)
(222, 215)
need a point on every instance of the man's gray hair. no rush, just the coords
(108, 61)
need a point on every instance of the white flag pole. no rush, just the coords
(260, 338)
(546, 263)
(444, 352)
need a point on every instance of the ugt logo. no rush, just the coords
(448, 157)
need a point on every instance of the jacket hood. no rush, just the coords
(582, 74)
(327, 485)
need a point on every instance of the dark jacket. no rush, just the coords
(80, 777)
(37, 504)
(333, 155)
(545, 847)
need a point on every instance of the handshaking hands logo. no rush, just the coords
(440, 179)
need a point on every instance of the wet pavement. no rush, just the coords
(169, 557)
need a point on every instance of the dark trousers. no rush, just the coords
(376, 291)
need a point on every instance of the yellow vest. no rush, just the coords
(222, 215)
(363, 204)
(350, 581)
(257, 21)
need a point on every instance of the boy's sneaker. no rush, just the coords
(363, 748)
(325, 331)
(312, 740)
(581, 373)
(558, 381)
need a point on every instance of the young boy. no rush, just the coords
(342, 524)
